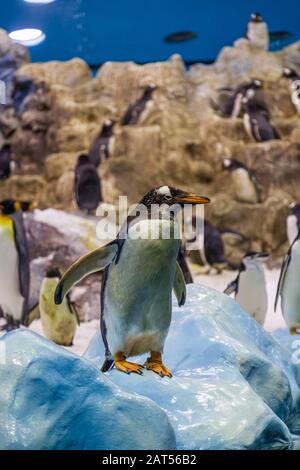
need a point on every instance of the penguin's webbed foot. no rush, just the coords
(154, 363)
(127, 367)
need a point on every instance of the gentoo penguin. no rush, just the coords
(140, 107)
(87, 185)
(6, 163)
(250, 286)
(246, 187)
(257, 32)
(257, 122)
(23, 86)
(230, 100)
(14, 266)
(102, 146)
(288, 287)
(293, 221)
(141, 269)
(294, 80)
(59, 322)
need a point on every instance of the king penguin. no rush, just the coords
(6, 163)
(288, 287)
(102, 146)
(244, 180)
(14, 266)
(294, 80)
(59, 322)
(250, 286)
(87, 187)
(257, 120)
(257, 32)
(293, 221)
(138, 110)
(140, 270)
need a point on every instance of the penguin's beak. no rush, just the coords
(190, 198)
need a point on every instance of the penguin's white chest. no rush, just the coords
(290, 293)
(258, 35)
(137, 298)
(11, 300)
(244, 187)
(252, 294)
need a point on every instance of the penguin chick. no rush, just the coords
(141, 269)
(257, 32)
(137, 111)
(87, 187)
(102, 146)
(244, 180)
(293, 221)
(250, 286)
(288, 287)
(59, 322)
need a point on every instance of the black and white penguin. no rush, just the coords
(102, 146)
(294, 81)
(288, 287)
(139, 109)
(257, 121)
(59, 322)
(257, 32)
(245, 183)
(6, 163)
(140, 273)
(250, 286)
(293, 221)
(14, 266)
(87, 187)
(230, 99)
(22, 87)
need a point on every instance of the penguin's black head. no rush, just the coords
(53, 272)
(28, 206)
(150, 89)
(294, 209)
(288, 72)
(83, 159)
(256, 255)
(108, 124)
(170, 196)
(9, 206)
(256, 18)
(256, 84)
(231, 164)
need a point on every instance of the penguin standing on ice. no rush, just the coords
(231, 100)
(59, 322)
(293, 221)
(87, 185)
(288, 287)
(6, 162)
(250, 286)
(257, 120)
(294, 80)
(257, 32)
(139, 109)
(14, 266)
(102, 146)
(245, 183)
(140, 272)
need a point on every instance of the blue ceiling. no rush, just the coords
(101, 30)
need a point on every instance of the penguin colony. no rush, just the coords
(139, 275)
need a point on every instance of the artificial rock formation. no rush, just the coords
(182, 141)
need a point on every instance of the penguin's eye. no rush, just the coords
(168, 198)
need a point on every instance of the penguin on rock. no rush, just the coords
(138, 111)
(87, 187)
(244, 180)
(102, 146)
(294, 81)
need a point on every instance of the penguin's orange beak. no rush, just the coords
(190, 198)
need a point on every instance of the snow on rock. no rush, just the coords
(52, 399)
(232, 386)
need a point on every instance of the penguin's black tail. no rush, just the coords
(107, 364)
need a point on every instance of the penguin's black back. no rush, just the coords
(87, 185)
(262, 129)
(213, 244)
(134, 111)
(5, 160)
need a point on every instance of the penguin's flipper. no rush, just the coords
(91, 263)
(232, 287)
(284, 267)
(179, 286)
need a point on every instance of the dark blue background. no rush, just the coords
(101, 30)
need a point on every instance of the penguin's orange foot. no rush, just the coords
(294, 330)
(127, 367)
(154, 363)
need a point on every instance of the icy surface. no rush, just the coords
(233, 385)
(53, 399)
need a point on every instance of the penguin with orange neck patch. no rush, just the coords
(14, 267)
